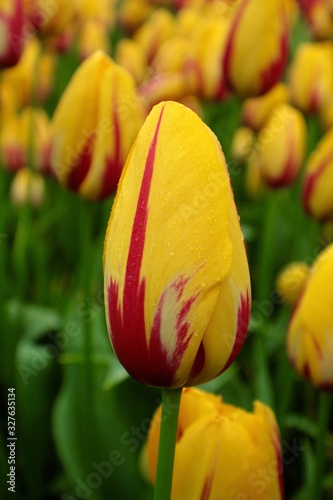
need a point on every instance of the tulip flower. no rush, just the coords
(281, 146)
(177, 300)
(221, 450)
(11, 29)
(256, 110)
(170, 86)
(318, 15)
(93, 35)
(309, 336)
(254, 182)
(311, 76)
(257, 46)
(26, 141)
(94, 127)
(318, 179)
(131, 14)
(242, 144)
(129, 54)
(158, 28)
(203, 65)
(291, 281)
(46, 18)
(22, 77)
(27, 187)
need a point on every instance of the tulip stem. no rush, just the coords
(167, 443)
(325, 401)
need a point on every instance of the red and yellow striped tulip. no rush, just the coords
(48, 18)
(318, 180)
(318, 14)
(11, 32)
(203, 66)
(170, 86)
(177, 300)
(232, 446)
(311, 76)
(94, 127)
(309, 336)
(281, 146)
(27, 141)
(257, 46)
(256, 110)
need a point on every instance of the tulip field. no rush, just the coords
(166, 249)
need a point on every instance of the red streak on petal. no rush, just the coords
(15, 40)
(114, 164)
(128, 329)
(242, 326)
(80, 168)
(199, 362)
(273, 73)
(289, 170)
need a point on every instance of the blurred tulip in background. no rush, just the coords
(221, 450)
(94, 127)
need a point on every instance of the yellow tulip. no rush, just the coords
(256, 110)
(257, 46)
(318, 14)
(318, 179)
(48, 18)
(203, 66)
(176, 278)
(238, 453)
(291, 281)
(281, 146)
(26, 140)
(93, 35)
(11, 32)
(94, 127)
(169, 86)
(27, 187)
(311, 76)
(242, 144)
(309, 336)
(129, 54)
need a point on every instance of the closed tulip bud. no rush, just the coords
(311, 76)
(242, 144)
(129, 54)
(256, 110)
(94, 127)
(318, 15)
(27, 188)
(171, 55)
(309, 336)
(131, 14)
(291, 281)
(159, 27)
(178, 300)
(11, 29)
(22, 77)
(203, 66)
(257, 46)
(48, 18)
(26, 140)
(281, 146)
(254, 182)
(232, 446)
(87, 10)
(318, 180)
(93, 35)
(9, 103)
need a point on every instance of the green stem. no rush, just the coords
(85, 274)
(325, 401)
(167, 443)
(263, 383)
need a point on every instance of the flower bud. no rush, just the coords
(281, 146)
(309, 336)
(94, 127)
(27, 187)
(291, 281)
(257, 46)
(11, 32)
(318, 179)
(178, 300)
